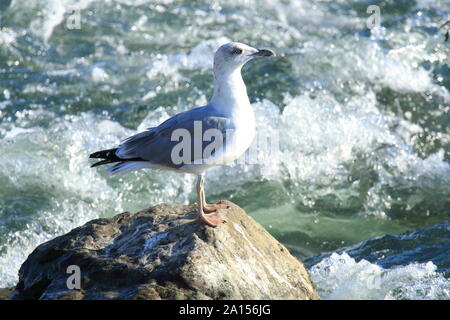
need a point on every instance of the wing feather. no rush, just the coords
(155, 144)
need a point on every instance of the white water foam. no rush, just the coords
(341, 277)
(200, 57)
(322, 138)
(47, 15)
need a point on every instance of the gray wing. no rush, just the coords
(156, 144)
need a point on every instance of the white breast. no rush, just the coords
(230, 99)
(240, 139)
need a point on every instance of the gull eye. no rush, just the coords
(236, 51)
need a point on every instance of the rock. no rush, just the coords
(165, 253)
(6, 293)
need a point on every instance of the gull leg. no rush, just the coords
(212, 219)
(213, 207)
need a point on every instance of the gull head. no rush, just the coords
(234, 55)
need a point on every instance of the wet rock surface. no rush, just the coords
(165, 253)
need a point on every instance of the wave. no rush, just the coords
(340, 277)
(360, 117)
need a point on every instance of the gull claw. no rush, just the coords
(209, 208)
(211, 219)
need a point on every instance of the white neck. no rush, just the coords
(229, 90)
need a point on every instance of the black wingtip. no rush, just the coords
(98, 154)
(104, 154)
(101, 163)
(94, 155)
(109, 156)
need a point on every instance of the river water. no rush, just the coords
(360, 187)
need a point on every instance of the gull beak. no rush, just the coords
(261, 53)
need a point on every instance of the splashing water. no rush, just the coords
(361, 116)
(341, 277)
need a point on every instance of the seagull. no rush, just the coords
(200, 138)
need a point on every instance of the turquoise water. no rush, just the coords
(362, 117)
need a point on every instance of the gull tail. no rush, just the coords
(124, 165)
(109, 156)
